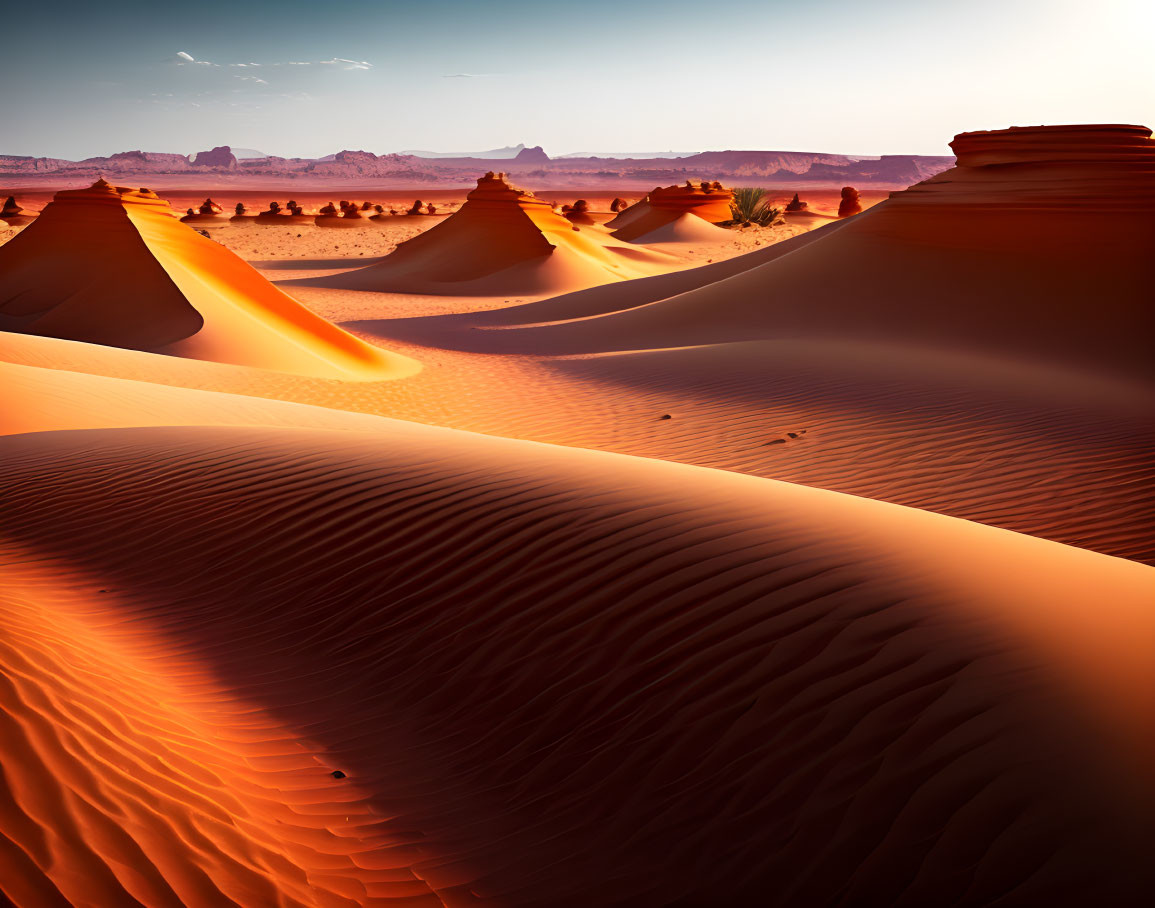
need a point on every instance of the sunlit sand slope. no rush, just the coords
(111, 265)
(549, 677)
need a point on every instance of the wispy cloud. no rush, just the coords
(468, 75)
(184, 59)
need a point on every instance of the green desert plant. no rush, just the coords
(750, 206)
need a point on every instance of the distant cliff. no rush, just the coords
(781, 168)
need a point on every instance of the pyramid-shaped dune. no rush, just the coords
(1037, 243)
(112, 265)
(680, 212)
(503, 240)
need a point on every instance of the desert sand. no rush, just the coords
(474, 559)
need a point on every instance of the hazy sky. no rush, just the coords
(854, 76)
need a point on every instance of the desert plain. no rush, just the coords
(623, 553)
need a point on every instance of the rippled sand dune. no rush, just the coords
(811, 576)
(744, 686)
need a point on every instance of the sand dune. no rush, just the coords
(787, 696)
(110, 265)
(980, 257)
(503, 240)
(267, 639)
(673, 209)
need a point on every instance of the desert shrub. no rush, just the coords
(750, 206)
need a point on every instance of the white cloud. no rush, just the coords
(184, 58)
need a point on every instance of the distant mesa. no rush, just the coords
(669, 208)
(849, 204)
(535, 155)
(502, 240)
(112, 265)
(13, 215)
(220, 157)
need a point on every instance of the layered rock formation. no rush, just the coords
(112, 265)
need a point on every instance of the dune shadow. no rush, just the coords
(315, 264)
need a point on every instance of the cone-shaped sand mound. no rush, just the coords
(684, 211)
(503, 240)
(113, 266)
(1036, 244)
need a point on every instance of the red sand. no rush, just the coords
(545, 675)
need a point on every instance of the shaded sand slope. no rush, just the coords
(502, 240)
(600, 300)
(552, 677)
(1035, 245)
(1053, 453)
(110, 265)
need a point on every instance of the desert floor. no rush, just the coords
(894, 579)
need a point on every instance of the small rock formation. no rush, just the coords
(209, 207)
(240, 209)
(431, 208)
(578, 212)
(416, 208)
(795, 204)
(329, 211)
(619, 205)
(13, 215)
(849, 204)
(366, 206)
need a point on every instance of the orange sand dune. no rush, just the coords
(503, 240)
(1018, 250)
(669, 205)
(110, 265)
(549, 677)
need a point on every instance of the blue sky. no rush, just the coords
(898, 76)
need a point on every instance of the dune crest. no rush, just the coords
(732, 691)
(113, 266)
(502, 240)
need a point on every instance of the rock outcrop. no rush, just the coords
(795, 204)
(13, 215)
(220, 157)
(849, 204)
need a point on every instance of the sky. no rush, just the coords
(82, 78)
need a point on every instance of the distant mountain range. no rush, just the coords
(529, 164)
